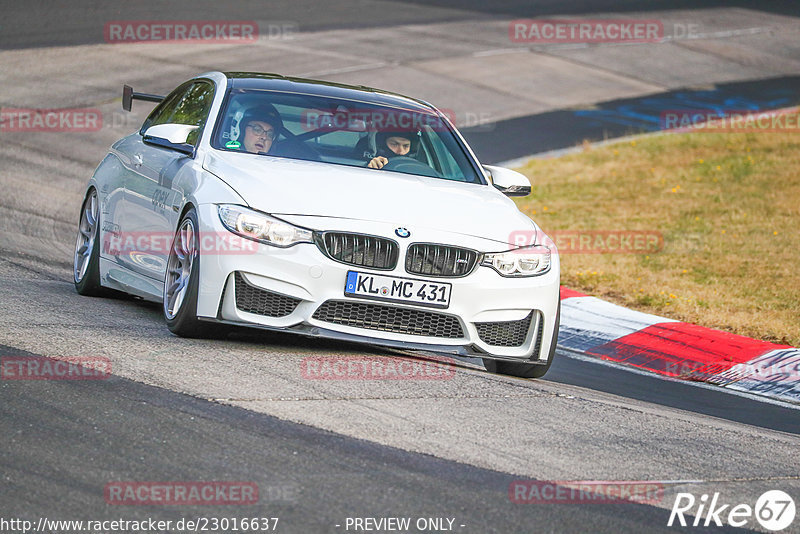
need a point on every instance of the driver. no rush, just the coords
(392, 144)
(261, 126)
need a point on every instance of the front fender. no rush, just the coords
(200, 187)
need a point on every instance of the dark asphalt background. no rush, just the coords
(513, 138)
(63, 441)
(39, 23)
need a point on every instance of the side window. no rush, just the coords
(188, 105)
(164, 110)
(448, 165)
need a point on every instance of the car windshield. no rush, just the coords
(344, 132)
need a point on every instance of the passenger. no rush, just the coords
(392, 144)
(261, 125)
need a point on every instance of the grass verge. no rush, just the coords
(726, 204)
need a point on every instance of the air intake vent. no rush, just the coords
(253, 299)
(440, 260)
(389, 319)
(505, 333)
(359, 250)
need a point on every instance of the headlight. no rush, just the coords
(262, 227)
(527, 261)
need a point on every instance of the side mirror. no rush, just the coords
(171, 136)
(510, 183)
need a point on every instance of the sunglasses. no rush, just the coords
(259, 131)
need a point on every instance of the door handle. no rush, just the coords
(137, 160)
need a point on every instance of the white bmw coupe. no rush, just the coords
(322, 209)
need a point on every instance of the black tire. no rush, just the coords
(526, 370)
(87, 282)
(184, 322)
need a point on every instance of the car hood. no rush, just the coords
(283, 186)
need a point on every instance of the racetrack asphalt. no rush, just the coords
(64, 441)
(567, 128)
(239, 408)
(44, 24)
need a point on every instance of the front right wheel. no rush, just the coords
(181, 281)
(86, 263)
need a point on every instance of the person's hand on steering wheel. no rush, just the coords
(410, 165)
(377, 162)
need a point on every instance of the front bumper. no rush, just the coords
(309, 278)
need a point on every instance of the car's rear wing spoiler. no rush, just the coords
(128, 96)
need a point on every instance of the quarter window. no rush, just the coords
(189, 104)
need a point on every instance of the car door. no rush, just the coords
(151, 201)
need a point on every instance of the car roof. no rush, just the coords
(278, 82)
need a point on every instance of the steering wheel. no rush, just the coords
(410, 166)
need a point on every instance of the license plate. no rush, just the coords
(395, 289)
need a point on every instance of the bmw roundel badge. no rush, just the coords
(402, 232)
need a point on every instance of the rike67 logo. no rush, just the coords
(774, 511)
